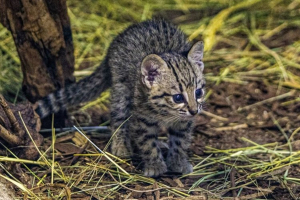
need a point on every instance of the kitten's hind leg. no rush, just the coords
(120, 112)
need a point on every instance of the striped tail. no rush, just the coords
(85, 90)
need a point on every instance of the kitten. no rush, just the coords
(156, 79)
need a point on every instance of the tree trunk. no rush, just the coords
(43, 38)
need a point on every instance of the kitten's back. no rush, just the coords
(121, 64)
(148, 37)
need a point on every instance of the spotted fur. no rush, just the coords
(145, 66)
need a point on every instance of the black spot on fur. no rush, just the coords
(154, 144)
(177, 142)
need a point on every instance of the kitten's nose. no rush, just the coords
(193, 112)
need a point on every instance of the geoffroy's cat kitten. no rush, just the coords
(156, 79)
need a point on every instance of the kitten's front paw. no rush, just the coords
(120, 149)
(155, 169)
(180, 166)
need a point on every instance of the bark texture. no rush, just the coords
(42, 34)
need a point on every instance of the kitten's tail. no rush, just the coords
(84, 90)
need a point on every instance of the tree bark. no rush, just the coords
(43, 38)
(42, 34)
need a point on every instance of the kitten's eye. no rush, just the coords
(178, 98)
(198, 93)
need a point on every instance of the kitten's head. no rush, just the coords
(175, 82)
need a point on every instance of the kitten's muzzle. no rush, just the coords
(193, 112)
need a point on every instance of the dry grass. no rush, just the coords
(240, 40)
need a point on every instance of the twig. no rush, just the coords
(215, 116)
(283, 96)
(231, 128)
(232, 181)
(87, 128)
(263, 192)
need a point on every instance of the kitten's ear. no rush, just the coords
(152, 68)
(195, 55)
